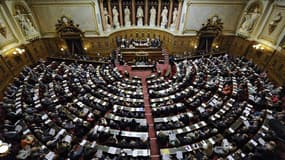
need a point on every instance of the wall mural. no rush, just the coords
(24, 19)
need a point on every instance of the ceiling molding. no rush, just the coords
(238, 2)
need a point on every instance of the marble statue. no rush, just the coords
(274, 22)
(25, 23)
(140, 16)
(152, 16)
(32, 29)
(164, 17)
(250, 20)
(106, 15)
(174, 19)
(116, 17)
(127, 14)
(174, 16)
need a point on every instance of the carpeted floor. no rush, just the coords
(143, 74)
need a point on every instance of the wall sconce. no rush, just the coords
(217, 46)
(19, 51)
(62, 49)
(85, 48)
(258, 47)
(195, 46)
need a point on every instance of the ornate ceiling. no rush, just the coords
(24, 20)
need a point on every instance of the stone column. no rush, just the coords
(102, 15)
(121, 13)
(133, 12)
(170, 14)
(158, 12)
(179, 14)
(146, 9)
(110, 13)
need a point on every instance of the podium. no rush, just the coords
(131, 55)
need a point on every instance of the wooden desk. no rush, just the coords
(142, 67)
(131, 54)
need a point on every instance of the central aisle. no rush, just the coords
(143, 74)
(154, 150)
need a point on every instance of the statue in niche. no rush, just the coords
(140, 16)
(250, 20)
(152, 16)
(174, 19)
(127, 14)
(174, 15)
(164, 17)
(106, 15)
(116, 17)
(274, 22)
(25, 23)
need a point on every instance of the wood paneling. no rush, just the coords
(174, 44)
(12, 64)
(5, 76)
(276, 67)
(273, 62)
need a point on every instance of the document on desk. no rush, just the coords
(246, 123)
(112, 150)
(67, 139)
(18, 128)
(44, 117)
(52, 132)
(261, 141)
(165, 157)
(179, 155)
(50, 156)
(165, 151)
(188, 148)
(99, 153)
